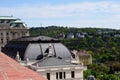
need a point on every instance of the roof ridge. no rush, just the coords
(54, 58)
(9, 17)
(6, 16)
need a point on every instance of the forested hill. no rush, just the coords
(55, 30)
(103, 44)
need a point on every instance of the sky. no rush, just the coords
(71, 13)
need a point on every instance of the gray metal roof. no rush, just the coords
(38, 49)
(17, 21)
(37, 38)
(51, 61)
(35, 50)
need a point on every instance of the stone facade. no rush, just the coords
(11, 28)
(59, 72)
(62, 73)
(83, 56)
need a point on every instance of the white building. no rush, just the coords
(60, 36)
(70, 36)
(117, 35)
(79, 35)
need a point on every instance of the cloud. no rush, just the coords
(68, 10)
(90, 13)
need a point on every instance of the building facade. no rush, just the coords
(56, 69)
(46, 56)
(11, 28)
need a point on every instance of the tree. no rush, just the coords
(87, 73)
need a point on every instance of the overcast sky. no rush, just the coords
(72, 13)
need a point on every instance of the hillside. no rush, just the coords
(102, 44)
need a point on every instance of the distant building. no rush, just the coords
(99, 31)
(60, 36)
(91, 77)
(70, 36)
(117, 35)
(11, 28)
(46, 56)
(84, 57)
(79, 35)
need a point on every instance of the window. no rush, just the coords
(72, 74)
(1, 34)
(7, 33)
(56, 75)
(60, 75)
(7, 40)
(1, 40)
(64, 75)
(2, 21)
(8, 21)
(48, 76)
(13, 34)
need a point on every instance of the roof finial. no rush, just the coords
(27, 61)
(17, 58)
(37, 65)
(50, 50)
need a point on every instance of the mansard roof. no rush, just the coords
(38, 38)
(51, 61)
(35, 48)
(17, 21)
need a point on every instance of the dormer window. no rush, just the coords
(2, 21)
(1, 40)
(8, 21)
(1, 34)
(7, 40)
(7, 33)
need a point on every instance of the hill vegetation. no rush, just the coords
(102, 44)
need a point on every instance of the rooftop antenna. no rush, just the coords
(11, 15)
(41, 25)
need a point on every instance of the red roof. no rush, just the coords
(11, 70)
